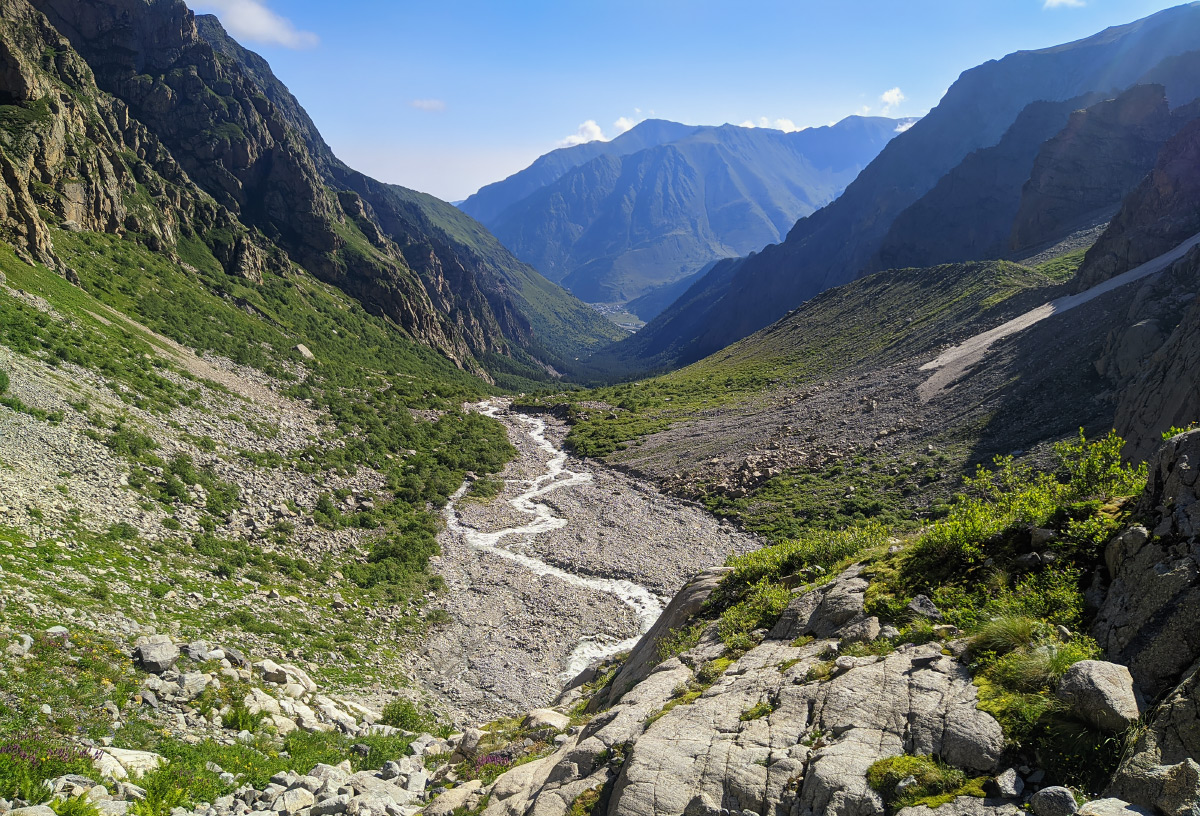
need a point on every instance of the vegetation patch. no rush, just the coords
(907, 781)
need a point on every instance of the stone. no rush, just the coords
(120, 763)
(1028, 561)
(863, 631)
(1040, 536)
(1054, 801)
(197, 650)
(470, 740)
(1007, 785)
(304, 352)
(331, 806)
(965, 806)
(450, 801)
(158, 657)
(1112, 807)
(235, 656)
(292, 801)
(271, 671)
(1102, 693)
(923, 607)
(33, 810)
(546, 718)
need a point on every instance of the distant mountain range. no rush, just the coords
(621, 220)
(961, 174)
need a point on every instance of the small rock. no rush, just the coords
(1040, 535)
(1007, 785)
(1028, 561)
(1055, 801)
(331, 806)
(923, 607)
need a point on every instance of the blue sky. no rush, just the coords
(448, 95)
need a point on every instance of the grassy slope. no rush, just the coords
(367, 377)
(866, 325)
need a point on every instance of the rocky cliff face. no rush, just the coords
(235, 144)
(128, 120)
(1151, 359)
(968, 215)
(1150, 619)
(1163, 211)
(1085, 171)
(75, 158)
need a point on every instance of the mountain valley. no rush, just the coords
(320, 495)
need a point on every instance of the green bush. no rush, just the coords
(403, 714)
(3, 381)
(759, 609)
(824, 549)
(28, 761)
(75, 806)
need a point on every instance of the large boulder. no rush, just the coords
(834, 610)
(1101, 693)
(455, 798)
(156, 655)
(547, 718)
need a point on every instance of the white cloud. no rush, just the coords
(589, 131)
(252, 21)
(624, 124)
(431, 105)
(786, 125)
(903, 126)
(1064, 4)
(891, 99)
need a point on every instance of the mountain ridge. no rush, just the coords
(662, 201)
(834, 244)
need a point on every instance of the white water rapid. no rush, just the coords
(643, 602)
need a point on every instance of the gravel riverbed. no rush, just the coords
(513, 631)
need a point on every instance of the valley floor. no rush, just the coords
(518, 627)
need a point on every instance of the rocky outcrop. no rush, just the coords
(1161, 770)
(1084, 172)
(74, 158)
(1161, 390)
(641, 662)
(764, 734)
(1150, 619)
(1157, 216)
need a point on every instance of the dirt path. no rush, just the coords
(952, 364)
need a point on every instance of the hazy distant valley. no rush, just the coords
(321, 496)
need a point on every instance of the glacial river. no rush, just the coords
(510, 543)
